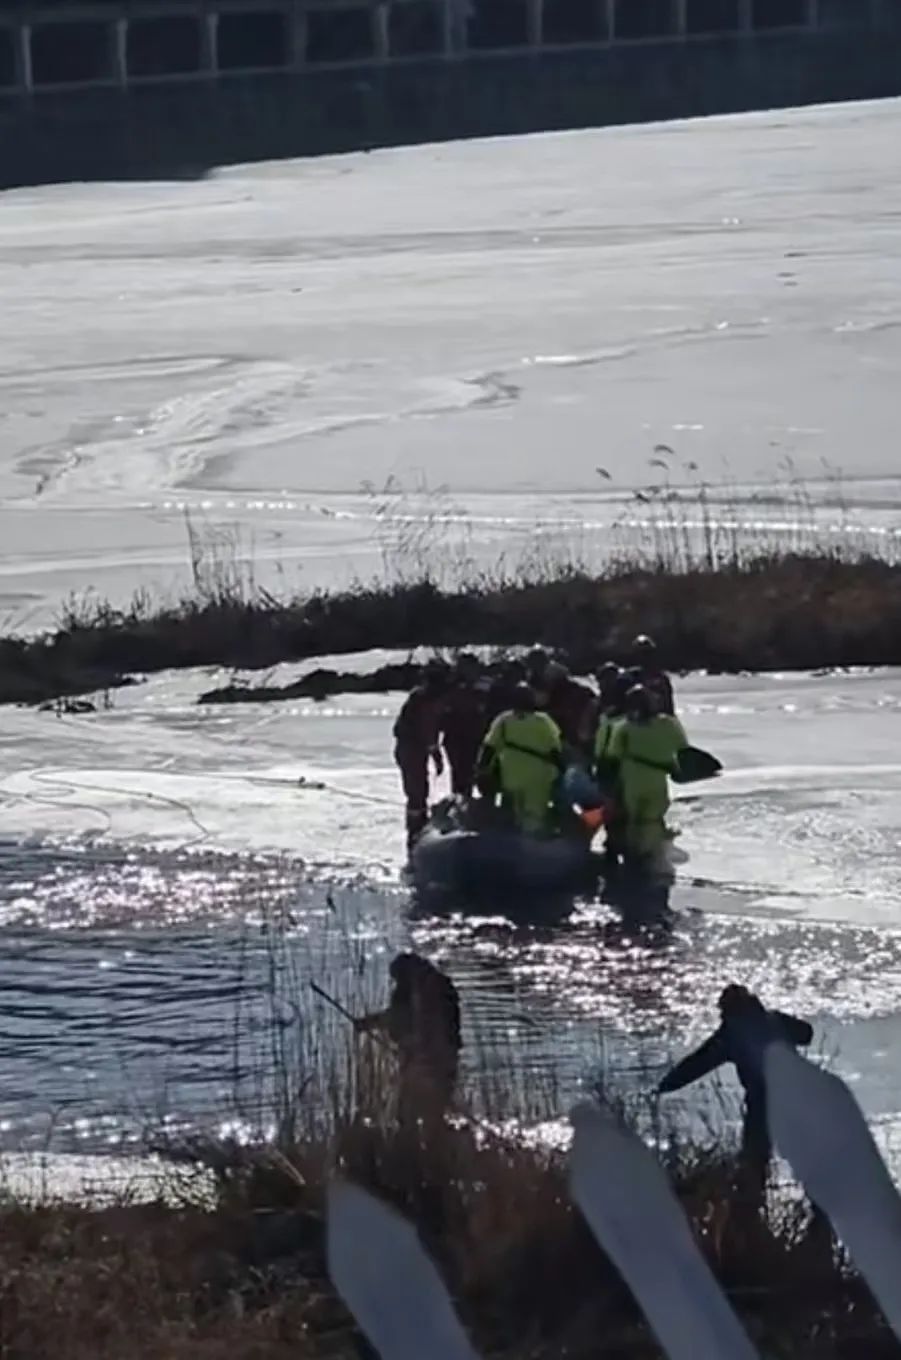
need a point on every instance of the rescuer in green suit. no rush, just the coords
(524, 749)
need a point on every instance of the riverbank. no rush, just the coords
(779, 612)
(245, 1276)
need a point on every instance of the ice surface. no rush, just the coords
(502, 317)
(804, 820)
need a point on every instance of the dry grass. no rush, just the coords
(150, 1284)
(245, 1276)
(726, 578)
(792, 612)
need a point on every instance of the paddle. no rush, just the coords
(693, 765)
(342, 1010)
(336, 1005)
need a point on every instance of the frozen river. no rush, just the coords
(501, 318)
(484, 327)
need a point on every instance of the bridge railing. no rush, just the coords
(49, 44)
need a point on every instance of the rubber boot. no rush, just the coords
(416, 822)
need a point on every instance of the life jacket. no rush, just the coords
(653, 745)
(520, 742)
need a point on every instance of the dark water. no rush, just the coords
(145, 991)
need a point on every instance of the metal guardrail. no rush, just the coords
(394, 1291)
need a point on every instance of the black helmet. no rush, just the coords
(524, 700)
(736, 1001)
(609, 677)
(435, 671)
(638, 701)
(537, 658)
(406, 965)
(611, 686)
(644, 644)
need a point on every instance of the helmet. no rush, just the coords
(612, 686)
(468, 664)
(407, 964)
(524, 700)
(435, 670)
(537, 659)
(736, 1000)
(514, 670)
(638, 702)
(643, 643)
(555, 671)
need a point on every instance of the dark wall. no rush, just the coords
(184, 129)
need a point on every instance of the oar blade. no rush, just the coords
(695, 765)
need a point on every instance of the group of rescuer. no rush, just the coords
(512, 733)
